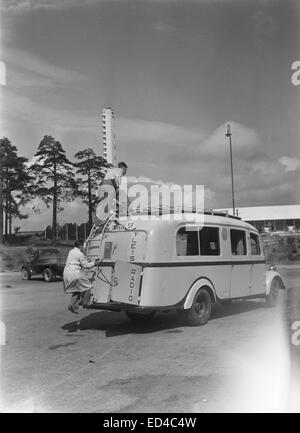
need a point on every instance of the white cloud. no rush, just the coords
(2, 74)
(24, 68)
(209, 198)
(20, 6)
(174, 153)
(142, 179)
(41, 216)
(209, 195)
(243, 140)
(290, 164)
(156, 133)
(32, 161)
(128, 131)
(245, 144)
(19, 107)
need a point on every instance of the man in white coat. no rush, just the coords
(74, 277)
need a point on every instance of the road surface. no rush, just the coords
(99, 361)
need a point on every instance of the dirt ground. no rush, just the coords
(99, 361)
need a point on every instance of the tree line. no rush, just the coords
(52, 178)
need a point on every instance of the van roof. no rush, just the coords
(147, 222)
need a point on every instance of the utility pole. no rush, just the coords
(2, 83)
(229, 134)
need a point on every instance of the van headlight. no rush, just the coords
(273, 268)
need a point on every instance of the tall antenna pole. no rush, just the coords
(229, 134)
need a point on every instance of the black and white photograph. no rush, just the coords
(150, 209)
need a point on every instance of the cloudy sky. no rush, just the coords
(175, 72)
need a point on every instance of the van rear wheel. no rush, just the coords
(200, 311)
(140, 317)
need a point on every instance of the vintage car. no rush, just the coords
(166, 264)
(49, 262)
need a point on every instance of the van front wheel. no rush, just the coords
(199, 313)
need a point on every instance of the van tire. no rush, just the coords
(48, 275)
(200, 311)
(140, 317)
(273, 296)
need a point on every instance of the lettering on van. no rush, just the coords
(133, 246)
(131, 284)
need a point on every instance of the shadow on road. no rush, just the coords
(236, 307)
(115, 324)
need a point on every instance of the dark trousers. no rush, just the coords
(79, 298)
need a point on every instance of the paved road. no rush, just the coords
(54, 361)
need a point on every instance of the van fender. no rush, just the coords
(270, 276)
(202, 282)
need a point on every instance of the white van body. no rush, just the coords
(162, 264)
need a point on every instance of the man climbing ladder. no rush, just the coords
(108, 194)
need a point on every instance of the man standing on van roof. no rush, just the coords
(108, 193)
(114, 175)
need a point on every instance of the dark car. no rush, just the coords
(48, 262)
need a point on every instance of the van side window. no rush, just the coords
(254, 242)
(238, 242)
(209, 241)
(187, 242)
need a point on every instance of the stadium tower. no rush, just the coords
(108, 136)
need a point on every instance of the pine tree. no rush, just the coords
(55, 182)
(15, 188)
(92, 167)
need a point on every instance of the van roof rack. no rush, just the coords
(163, 210)
(223, 213)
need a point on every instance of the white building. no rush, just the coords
(273, 218)
(108, 136)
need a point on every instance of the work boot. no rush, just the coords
(73, 310)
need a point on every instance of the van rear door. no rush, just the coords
(126, 283)
(129, 247)
(119, 279)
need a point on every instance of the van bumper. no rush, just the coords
(120, 306)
